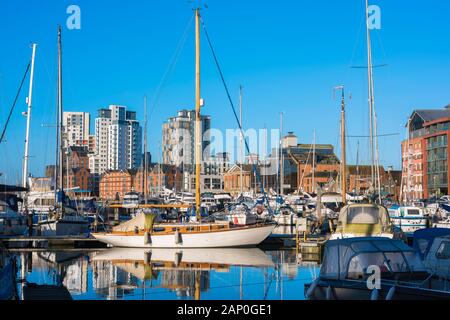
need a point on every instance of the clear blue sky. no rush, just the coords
(288, 55)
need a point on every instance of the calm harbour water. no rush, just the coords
(139, 274)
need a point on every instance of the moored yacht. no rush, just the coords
(408, 219)
(346, 271)
(363, 220)
(12, 222)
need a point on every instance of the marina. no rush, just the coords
(178, 209)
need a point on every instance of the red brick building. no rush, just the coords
(425, 154)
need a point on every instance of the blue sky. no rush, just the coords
(288, 55)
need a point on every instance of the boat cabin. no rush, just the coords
(363, 220)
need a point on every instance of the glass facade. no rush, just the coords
(437, 168)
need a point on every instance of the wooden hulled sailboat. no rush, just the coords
(142, 232)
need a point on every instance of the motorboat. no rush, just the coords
(240, 214)
(12, 222)
(131, 200)
(433, 246)
(408, 219)
(350, 266)
(363, 220)
(286, 216)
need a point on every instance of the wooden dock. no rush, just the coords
(56, 242)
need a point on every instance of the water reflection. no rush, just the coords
(167, 273)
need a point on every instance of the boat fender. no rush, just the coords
(391, 293)
(374, 294)
(178, 238)
(148, 257)
(312, 288)
(147, 238)
(329, 293)
(178, 258)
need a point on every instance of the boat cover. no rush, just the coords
(423, 239)
(142, 221)
(343, 257)
(364, 219)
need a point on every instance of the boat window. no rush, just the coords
(444, 250)
(413, 212)
(422, 245)
(357, 267)
(363, 215)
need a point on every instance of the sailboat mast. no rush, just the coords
(343, 152)
(60, 111)
(370, 93)
(242, 139)
(145, 182)
(29, 103)
(281, 156)
(198, 140)
(314, 163)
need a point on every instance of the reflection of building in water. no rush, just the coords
(183, 281)
(111, 282)
(76, 277)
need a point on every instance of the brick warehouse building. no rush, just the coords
(425, 154)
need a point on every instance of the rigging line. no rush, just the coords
(258, 178)
(379, 135)
(173, 61)
(14, 103)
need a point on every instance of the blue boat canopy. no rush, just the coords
(423, 239)
(350, 258)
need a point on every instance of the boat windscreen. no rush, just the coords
(363, 215)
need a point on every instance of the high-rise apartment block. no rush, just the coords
(75, 129)
(178, 139)
(118, 140)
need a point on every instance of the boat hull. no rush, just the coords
(236, 237)
(64, 228)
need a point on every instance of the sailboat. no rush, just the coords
(142, 232)
(364, 220)
(63, 221)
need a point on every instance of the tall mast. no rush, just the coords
(145, 153)
(357, 168)
(29, 103)
(343, 152)
(314, 163)
(198, 140)
(60, 112)
(408, 163)
(242, 139)
(281, 156)
(370, 92)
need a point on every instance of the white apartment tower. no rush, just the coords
(178, 137)
(118, 140)
(75, 129)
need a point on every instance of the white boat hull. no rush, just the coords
(236, 237)
(409, 225)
